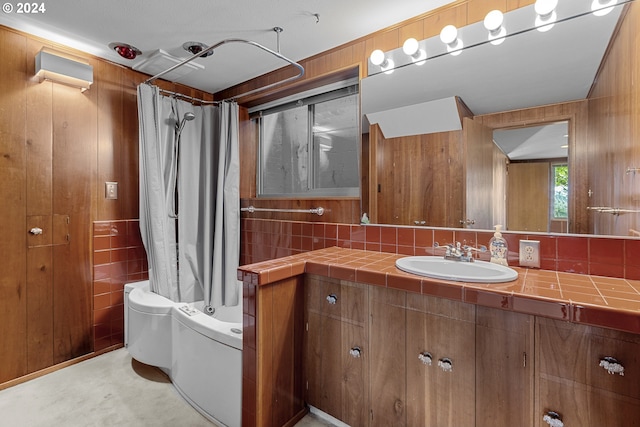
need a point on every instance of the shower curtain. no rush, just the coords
(192, 175)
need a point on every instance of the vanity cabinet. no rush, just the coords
(579, 377)
(376, 356)
(336, 350)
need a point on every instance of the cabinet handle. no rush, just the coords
(332, 298)
(612, 365)
(355, 352)
(553, 419)
(35, 231)
(446, 364)
(425, 357)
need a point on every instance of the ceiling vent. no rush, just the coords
(160, 61)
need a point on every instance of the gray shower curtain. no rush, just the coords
(195, 256)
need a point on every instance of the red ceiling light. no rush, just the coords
(125, 50)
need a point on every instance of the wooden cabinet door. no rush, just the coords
(504, 368)
(387, 357)
(572, 382)
(335, 372)
(445, 330)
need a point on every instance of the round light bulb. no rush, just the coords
(545, 7)
(494, 19)
(449, 34)
(602, 7)
(547, 23)
(410, 46)
(377, 57)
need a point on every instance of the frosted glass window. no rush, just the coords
(309, 147)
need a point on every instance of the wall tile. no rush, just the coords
(118, 258)
(570, 253)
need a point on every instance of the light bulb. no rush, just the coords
(602, 7)
(545, 7)
(544, 24)
(449, 34)
(493, 21)
(387, 66)
(410, 46)
(377, 57)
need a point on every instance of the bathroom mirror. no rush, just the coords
(529, 69)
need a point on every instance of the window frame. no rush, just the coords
(309, 99)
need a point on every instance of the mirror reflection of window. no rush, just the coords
(560, 179)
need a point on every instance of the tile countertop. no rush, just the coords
(594, 300)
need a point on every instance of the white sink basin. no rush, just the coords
(439, 268)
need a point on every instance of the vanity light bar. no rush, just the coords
(546, 13)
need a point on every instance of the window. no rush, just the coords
(560, 181)
(309, 146)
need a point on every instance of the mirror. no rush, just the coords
(497, 87)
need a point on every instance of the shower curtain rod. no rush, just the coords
(215, 46)
(187, 97)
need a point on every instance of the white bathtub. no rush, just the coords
(202, 354)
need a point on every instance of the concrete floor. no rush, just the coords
(108, 390)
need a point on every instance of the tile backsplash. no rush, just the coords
(601, 256)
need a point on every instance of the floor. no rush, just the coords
(108, 390)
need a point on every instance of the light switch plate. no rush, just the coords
(530, 253)
(111, 190)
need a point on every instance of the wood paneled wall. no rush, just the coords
(58, 146)
(614, 132)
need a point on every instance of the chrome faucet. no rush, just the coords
(458, 252)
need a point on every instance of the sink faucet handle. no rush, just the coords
(470, 249)
(481, 248)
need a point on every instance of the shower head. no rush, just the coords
(188, 116)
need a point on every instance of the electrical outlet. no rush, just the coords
(530, 253)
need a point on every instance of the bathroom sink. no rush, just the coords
(439, 268)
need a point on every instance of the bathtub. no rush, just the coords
(201, 354)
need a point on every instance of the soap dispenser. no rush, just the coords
(498, 247)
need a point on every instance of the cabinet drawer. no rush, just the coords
(575, 352)
(581, 405)
(338, 299)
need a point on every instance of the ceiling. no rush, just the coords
(90, 25)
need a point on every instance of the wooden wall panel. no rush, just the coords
(108, 85)
(479, 194)
(129, 185)
(528, 198)
(248, 135)
(74, 183)
(419, 178)
(13, 298)
(614, 129)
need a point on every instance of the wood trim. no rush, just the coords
(57, 367)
